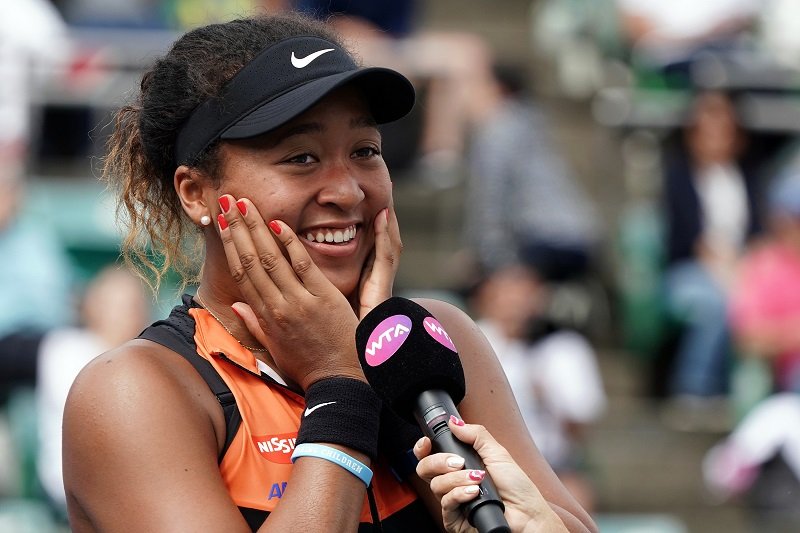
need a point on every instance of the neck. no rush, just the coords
(220, 309)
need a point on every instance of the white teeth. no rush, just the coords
(332, 235)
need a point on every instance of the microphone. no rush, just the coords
(413, 365)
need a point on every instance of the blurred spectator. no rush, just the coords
(115, 308)
(35, 287)
(451, 69)
(553, 373)
(523, 204)
(669, 35)
(770, 431)
(710, 193)
(765, 302)
(34, 273)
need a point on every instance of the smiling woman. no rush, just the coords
(270, 128)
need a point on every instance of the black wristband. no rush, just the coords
(342, 411)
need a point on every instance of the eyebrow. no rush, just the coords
(316, 127)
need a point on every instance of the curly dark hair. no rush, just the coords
(140, 161)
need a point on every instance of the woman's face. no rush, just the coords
(324, 176)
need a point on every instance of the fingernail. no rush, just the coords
(224, 203)
(477, 475)
(455, 461)
(223, 224)
(457, 421)
(242, 207)
(472, 489)
(275, 227)
(235, 312)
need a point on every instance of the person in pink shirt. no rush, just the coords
(765, 305)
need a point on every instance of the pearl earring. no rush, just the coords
(205, 220)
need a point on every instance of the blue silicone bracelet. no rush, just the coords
(352, 465)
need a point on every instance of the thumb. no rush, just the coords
(248, 316)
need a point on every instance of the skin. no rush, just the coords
(323, 169)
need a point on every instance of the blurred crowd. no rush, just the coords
(705, 280)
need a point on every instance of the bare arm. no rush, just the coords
(490, 402)
(142, 433)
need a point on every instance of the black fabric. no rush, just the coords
(283, 81)
(177, 334)
(352, 419)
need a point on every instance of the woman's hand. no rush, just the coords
(377, 277)
(307, 325)
(525, 508)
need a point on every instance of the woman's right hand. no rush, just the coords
(290, 306)
(525, 508)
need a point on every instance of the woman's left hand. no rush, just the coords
(377, 277)
(526, 510)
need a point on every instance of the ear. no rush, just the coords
(194, 189)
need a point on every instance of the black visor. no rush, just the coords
(283, 81)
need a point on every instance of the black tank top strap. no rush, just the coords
(176, 332)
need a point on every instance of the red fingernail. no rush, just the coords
(223, 224)
(224, 203)
(477, 475)
(457, 421)
(235, 312)
(242, 207)
(274, 226)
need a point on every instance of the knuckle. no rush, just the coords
(249, 261)
(302, 266)
(239, 275)
(269, 261)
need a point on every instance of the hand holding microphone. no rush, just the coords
(525, 508)
(413, 365)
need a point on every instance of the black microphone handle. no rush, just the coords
(433, 411)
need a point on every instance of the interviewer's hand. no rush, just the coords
(526, 510)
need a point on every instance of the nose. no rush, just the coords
(340, 187)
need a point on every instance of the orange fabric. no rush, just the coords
(257, 466)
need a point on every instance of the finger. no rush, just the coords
(438, 464)
(261, 255)
(452, 481)
(232, 243)
(302, 265)
(381, 268)
(422, 447)
(480, 439)
(248, 316)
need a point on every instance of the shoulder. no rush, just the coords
(140, 382)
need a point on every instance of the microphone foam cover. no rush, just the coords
(404, 351)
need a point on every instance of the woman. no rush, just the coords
(247, 406)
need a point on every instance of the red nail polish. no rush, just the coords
(457, 421)
(275, 227)
(223, 224)
(477, 475)
(242, 207)
(224, 203)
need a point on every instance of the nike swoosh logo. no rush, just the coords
(310, 410)
(302, 62)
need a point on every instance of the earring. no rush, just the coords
(205, 220)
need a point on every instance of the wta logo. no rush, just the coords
(276, 448)
(386, 339)
(435, 330)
